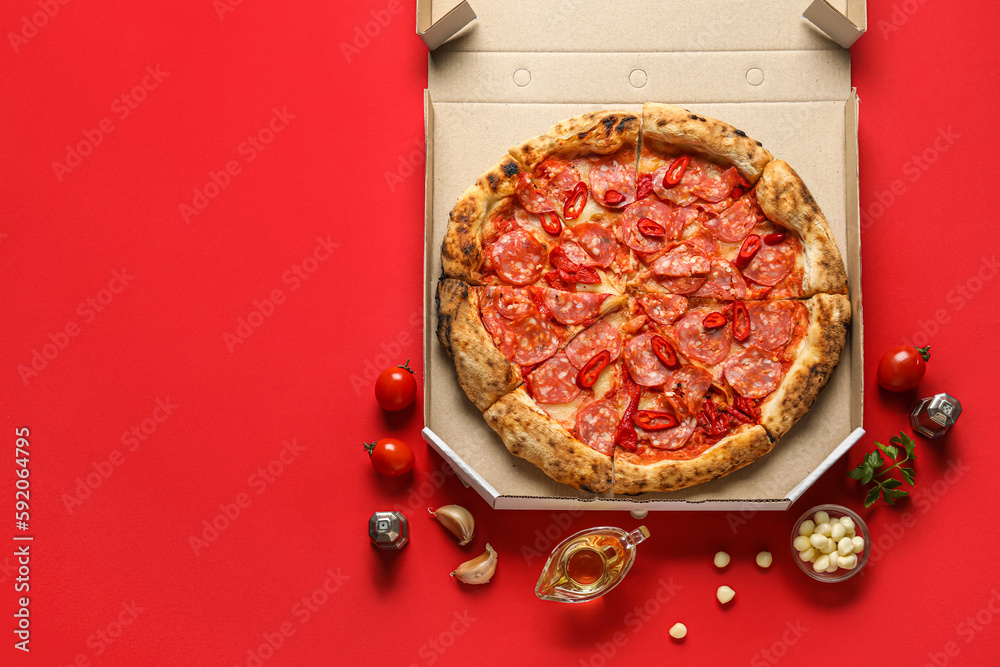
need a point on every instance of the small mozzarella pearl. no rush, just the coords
(829, 547)
(837, 531)
(832, 567)
(725, 594)
(848, 562)
(845, 546)
(848, 522)
(823, 529)
(678, 631)
(821, 517)
(807, 527)
(801, 543)
(821, 563)
(764, 559)
(817, 540)
(721, 559)
(859, 544)
(807, 555)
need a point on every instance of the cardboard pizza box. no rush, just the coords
(505, 72)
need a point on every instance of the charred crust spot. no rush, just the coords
(493, 181)
(510, 169)
(661, 122)
(609, 124)
(581, 135)
(741, 133)
(759, 144)
(693, 117)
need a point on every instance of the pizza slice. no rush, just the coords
(730, 379)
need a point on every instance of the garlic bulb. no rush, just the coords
(457, 520)
(479, 570)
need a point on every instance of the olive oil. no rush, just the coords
(588, 564)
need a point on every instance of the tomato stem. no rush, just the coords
(925, 352)
(370, 446)
(406, 367)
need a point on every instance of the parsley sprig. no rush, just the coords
(888, 486)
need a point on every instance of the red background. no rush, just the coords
(123, 553)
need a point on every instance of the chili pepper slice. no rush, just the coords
(561, 261)
(551, 223)
(747, 406)
(625, 435)
(577, 200)
(715, 423)
(644, 186)
(714, 321)
(592, 369)
(740, 417)
(652, 420)
(557, 281)
(587, 276)
(741, 321)
(676, 171)
(774, 239)
(649, 227)
(751, 245)
(664, 351)
(614, 197)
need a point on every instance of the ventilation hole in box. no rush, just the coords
(522, 77)
(755, 76)
(637, 78)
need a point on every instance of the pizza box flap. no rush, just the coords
(758, 66)
(722, 25)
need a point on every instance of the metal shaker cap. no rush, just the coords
(932, 417)
(389, 530)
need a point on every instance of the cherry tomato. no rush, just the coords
(903, 367)
(390, 456)
(395, 387)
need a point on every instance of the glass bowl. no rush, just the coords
(840, 574)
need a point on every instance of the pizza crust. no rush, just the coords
(786, 200)
(599, 132)
(668, 129)
(818, 355)
(484, 373)
(462, 248)
(733, 452)
(532, 435)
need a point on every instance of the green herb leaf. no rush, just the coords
(891, 451)
(891, 495)
(891, 483)
(907, 475)
(872, 496)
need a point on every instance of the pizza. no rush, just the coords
(641, 304)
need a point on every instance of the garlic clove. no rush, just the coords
(479, 570)
(457, 520)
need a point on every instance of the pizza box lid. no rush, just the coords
(500, 74)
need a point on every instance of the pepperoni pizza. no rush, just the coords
(643, 303)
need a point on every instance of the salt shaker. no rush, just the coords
(932, 417)
(389, 530)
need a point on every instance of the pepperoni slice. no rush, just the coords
(659, 213)
(770, 324)
(554, 381)
(683, 285)
(695, 342)
(531, 339)
(705, 180)
(510, 302)
(531, 198)
(598, 336)
(661, 308)
(715, 184)
(772, 263)
(557, 178)
(598, 241)
(596, 426)
(735, 222)
(724, 282)
(670, 438)
(681, 261)
(609, 174)
(689, 385)
(571, 307)
(576, 254)
(753, 373)
(643, 364)
(517, 257)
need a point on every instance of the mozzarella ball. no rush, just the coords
(837, 531)
(807, 527)
(808, 554)
(721, 559)
(832, 567)
(821, 517)
(725, 594)
(801, 543)
(823, 529)
(848, 562)
(764, 559)
(845, 546)
(859, 544)
(848, 523)
(829, 547)
(678, 631)
(821, 563)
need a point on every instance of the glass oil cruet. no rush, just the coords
(588, 564)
